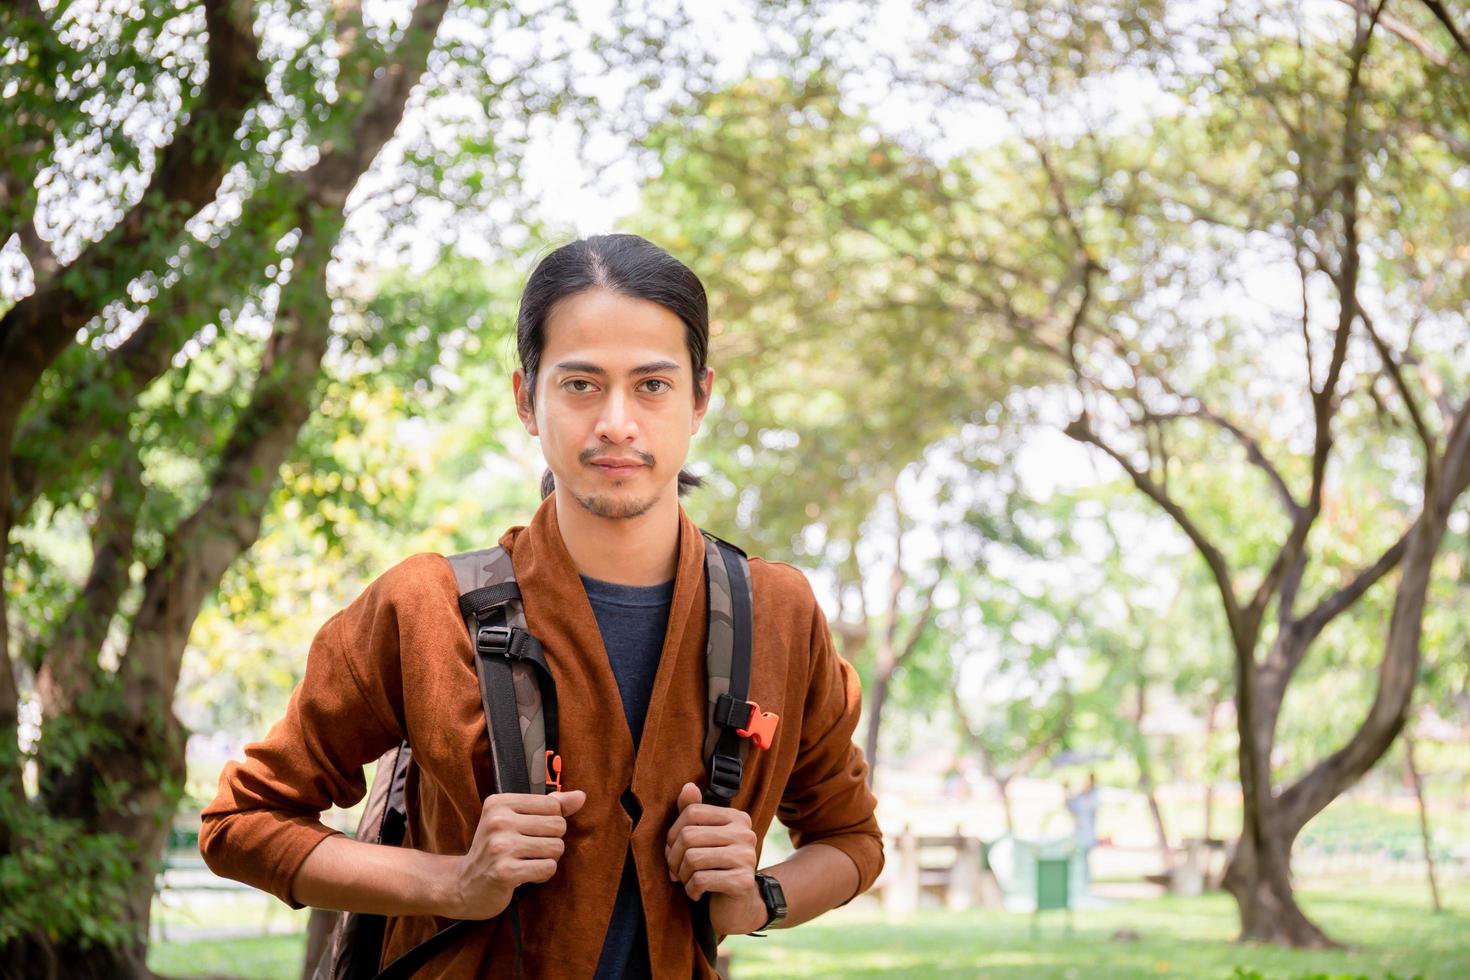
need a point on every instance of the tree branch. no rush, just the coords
(197, 553)
(1334, 605)
(1395, 372)
(95, 409)
(1324, 401)
(1404, 32)
(1398, 671)
(35, 331)
(1080, 429)
(68, 672)
(926, 616)
(1437, 8)
(1252, 446)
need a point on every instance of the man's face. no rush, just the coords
(615, 383)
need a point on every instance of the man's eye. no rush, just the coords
(578, 381)
(656, 381)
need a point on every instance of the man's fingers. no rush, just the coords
(730, 858)
(538, 825)
(535, 870)
(707, 815)
(731, 834)
(540, 847)
(570, 800)
(714, 882)
(526, 802)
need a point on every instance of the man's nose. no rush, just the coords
(616, 424)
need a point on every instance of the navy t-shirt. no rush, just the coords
(632, 620)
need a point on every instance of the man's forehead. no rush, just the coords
(602, 332)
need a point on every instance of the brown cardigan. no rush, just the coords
(396, 663)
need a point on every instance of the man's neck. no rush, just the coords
(641, 550)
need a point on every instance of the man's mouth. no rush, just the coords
(619, 468)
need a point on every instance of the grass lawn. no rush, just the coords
(1390, 926)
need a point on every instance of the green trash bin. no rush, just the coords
(1053, 889)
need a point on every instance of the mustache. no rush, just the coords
(592, 455)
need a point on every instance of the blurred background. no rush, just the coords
(1104, 365)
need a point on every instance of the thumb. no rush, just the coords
(688, 796)
(571, 800)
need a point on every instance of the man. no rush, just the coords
(1083, 807)
(613, 336)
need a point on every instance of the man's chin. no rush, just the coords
(615, 506)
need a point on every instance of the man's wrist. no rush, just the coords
(760, 915)
(740, 914)
(443, 884)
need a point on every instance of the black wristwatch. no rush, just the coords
(774, 898)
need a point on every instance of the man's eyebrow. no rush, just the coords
(587, 367)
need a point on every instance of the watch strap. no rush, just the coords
(774, 898)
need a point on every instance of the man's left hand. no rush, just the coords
(711, 849)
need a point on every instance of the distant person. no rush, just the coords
(1083, 807)
(613, 335)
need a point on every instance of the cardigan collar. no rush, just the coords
(559, 614)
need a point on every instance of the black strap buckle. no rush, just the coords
(493, 640)
(724, 776)
(731, 712)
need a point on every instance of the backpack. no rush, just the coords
(519, 699)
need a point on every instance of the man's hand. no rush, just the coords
(518, 840)
(711, 849)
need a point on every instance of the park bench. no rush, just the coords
(950, 869)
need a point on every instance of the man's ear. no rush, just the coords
(701, 404)
(523, 402)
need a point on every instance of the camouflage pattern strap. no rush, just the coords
(492, 566)
(719, 639)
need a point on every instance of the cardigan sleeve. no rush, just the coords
(345, 712)
(827, 799)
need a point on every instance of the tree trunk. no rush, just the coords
(1259, 872)
(881, 681)
(149, 760)
(1209, 740)
(1260, 881)
(1209, 809)
(1004, 785)
(38, 958)
(1146, 779)
(1166, 853)
(1423, 821)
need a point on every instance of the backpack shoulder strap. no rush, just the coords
(519, 698)
(732, 720)
(516, 686)
(727, 666)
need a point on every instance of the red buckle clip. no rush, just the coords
(553, 761)
(761, 726)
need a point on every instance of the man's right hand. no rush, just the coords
(518, 840)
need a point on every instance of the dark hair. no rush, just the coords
(625, 264)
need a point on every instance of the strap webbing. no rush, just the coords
(479, 602)
(407, 964)
(738, 571)
(726, 763)
(497, 694)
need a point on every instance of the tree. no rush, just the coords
(160, 358)
(1021, 714)
(109, 759)
(1277, 145)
